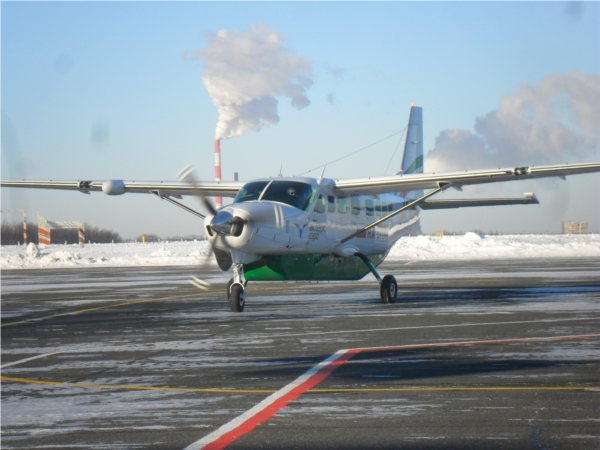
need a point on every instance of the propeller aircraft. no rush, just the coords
(300, 228)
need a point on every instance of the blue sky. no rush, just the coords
(102, 91)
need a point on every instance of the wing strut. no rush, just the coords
(441, 187)
(176, 203)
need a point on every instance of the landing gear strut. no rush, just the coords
(388, 288)
(236, 289)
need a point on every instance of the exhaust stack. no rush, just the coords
(218, 200)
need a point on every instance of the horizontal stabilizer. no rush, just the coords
(528, 199)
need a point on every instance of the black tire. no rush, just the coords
(237, 299)
(389, 289)
(229, 289)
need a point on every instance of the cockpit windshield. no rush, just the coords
(250, 192)
(293, 193)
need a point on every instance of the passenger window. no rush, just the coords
(378, 208)
(320, 205)
(331, 204)
(342, 205)
(355, 206)
(370, 207)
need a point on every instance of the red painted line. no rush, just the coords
(276, 406)
(488, 342)
(245, 423)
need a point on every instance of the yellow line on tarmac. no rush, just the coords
(113, 305)
(311, 391)
(116, 305)
(138, 388)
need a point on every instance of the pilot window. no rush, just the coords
(342, 205)
(293, 193)
(320, 204)
(355, 201)
(250, 192)
(331, 204)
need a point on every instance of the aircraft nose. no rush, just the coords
(227, 225)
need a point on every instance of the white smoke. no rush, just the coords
(553, 122)
(245, 72)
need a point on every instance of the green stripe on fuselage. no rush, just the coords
(309, 267)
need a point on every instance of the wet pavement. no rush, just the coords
(138, 358)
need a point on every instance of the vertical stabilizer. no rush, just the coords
(412, 161)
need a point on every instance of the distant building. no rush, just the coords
(580, 227)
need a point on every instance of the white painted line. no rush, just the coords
(264, 410)
(469, 324)
(4, 366)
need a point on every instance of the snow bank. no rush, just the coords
(473, 246)
(150, 254)
(469, 246)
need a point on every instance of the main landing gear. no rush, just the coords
(236, 289)
(388, 288)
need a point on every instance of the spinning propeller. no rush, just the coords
(222, 223)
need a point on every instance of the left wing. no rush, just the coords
(420, 181)
(119, 187)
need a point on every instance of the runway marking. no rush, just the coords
(310, 391)
(263, 411)
(484, 342)
(137, 388)
(116, 305)
(243, 424)
(28, 359)
(471, 324)
(113, 305)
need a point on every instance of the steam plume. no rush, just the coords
(245, 72)
(553, 122)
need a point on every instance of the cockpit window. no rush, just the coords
(293, 193)
(250, 192)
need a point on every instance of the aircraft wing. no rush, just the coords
(118, 187)
(420, 181)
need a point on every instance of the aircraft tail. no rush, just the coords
(412, 161)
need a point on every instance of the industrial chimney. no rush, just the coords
(218, 200)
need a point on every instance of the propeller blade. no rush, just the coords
(200, 284)
(187, 174)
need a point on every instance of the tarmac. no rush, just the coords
(495, 354)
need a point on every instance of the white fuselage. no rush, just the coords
(276, 228)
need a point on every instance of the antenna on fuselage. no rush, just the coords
(323, 172)
(280, 170)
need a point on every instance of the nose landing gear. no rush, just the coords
(236, 289)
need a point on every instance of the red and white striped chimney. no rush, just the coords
(218, 200)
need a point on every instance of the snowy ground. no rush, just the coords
(469, 246)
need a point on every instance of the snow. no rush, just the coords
(469, 246)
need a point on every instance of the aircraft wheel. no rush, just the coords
(389, 289)
(237, 298)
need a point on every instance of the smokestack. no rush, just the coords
(218, 200)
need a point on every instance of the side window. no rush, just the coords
(342, 205)
(320, 205)
(378, 208)
(369, 206)
(331, 204)
(355, 206)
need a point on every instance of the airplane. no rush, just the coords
(301, 228)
